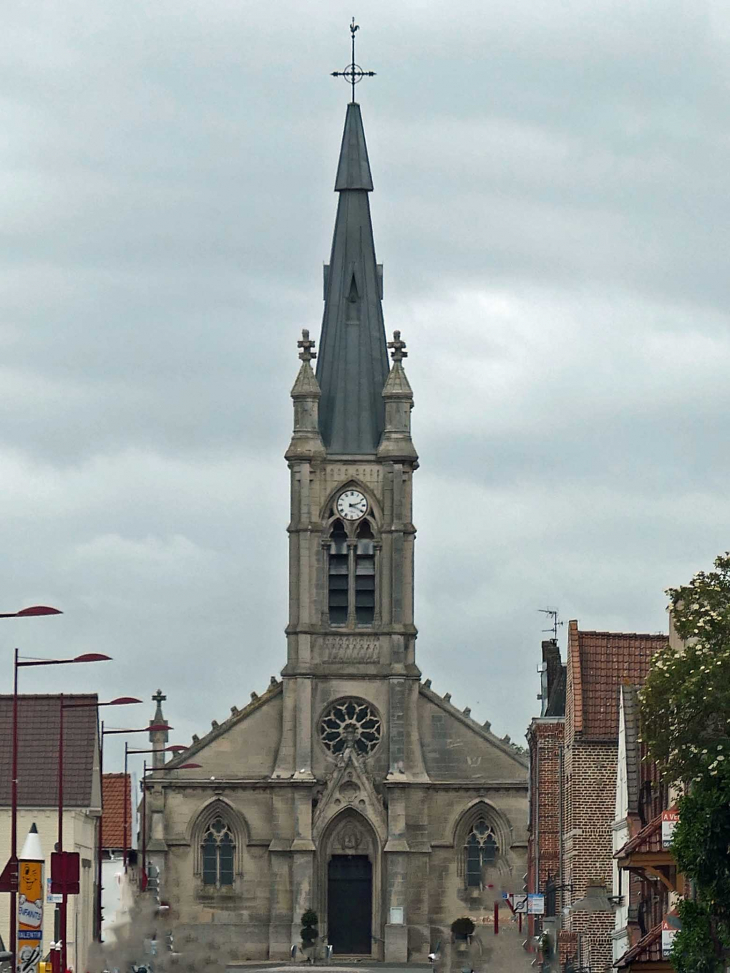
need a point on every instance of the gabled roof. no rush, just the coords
(117, 791)
(353, 359)
(38, 736)
(599, 663)
(444, 703)
(220, 729)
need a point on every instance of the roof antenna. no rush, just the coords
(353, 73)
(555, 624)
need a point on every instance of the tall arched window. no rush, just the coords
(339, 582)
(480, 849)
(217, 854)
(365, 575)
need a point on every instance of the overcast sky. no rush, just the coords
(551, 207)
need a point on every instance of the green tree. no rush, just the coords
(701, 847)
(686, 697)
(686, 724)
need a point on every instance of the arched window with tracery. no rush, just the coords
(351, 573)
(480, 849)
(217, 852)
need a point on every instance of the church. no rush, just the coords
(349, 787)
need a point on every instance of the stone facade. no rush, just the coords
(349, 778)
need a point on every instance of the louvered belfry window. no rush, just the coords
(351, 575)
(218, 848)
(365, 575)
(339, 581)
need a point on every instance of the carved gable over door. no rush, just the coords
(350, 787)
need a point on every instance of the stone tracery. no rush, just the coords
(351, 723)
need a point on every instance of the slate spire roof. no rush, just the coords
(353, 358)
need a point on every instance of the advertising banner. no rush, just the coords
(668, 933)
(30, 916)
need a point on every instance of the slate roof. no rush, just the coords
(353, 358)
(117, 790)
(38, 734)
(599, 663)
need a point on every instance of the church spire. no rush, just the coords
(353, 359)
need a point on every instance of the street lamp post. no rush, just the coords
(32, 612)
(119, 701)
(26, 663)
(100, 850)
(22, 664)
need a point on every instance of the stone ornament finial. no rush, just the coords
(307, 345)
(398, 352)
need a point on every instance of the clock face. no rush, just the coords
(352, 505)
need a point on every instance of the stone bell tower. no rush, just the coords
(351, 684)
(352, 460)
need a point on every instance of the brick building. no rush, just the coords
(598, 664)
(573, 777)
(117, 792)
(545, 741)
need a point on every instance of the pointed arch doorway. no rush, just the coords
(350, 904)
(349, 871)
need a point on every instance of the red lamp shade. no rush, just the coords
(38, 610)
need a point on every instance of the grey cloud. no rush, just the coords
(551, 211)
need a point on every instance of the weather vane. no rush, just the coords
(353, 73)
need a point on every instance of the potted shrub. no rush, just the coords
(462, 929)
(309, 932)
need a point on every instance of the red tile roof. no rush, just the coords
(38, 735)
(648, 839)
(647, 950)
(117, 790)
(599, 663)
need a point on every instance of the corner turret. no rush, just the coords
(306, 442)
(396, 444)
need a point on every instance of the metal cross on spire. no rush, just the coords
(307, 345)
(353, 73)
(398, 352)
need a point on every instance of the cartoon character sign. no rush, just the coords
(30, 916)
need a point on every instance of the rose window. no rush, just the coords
(351, 723)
